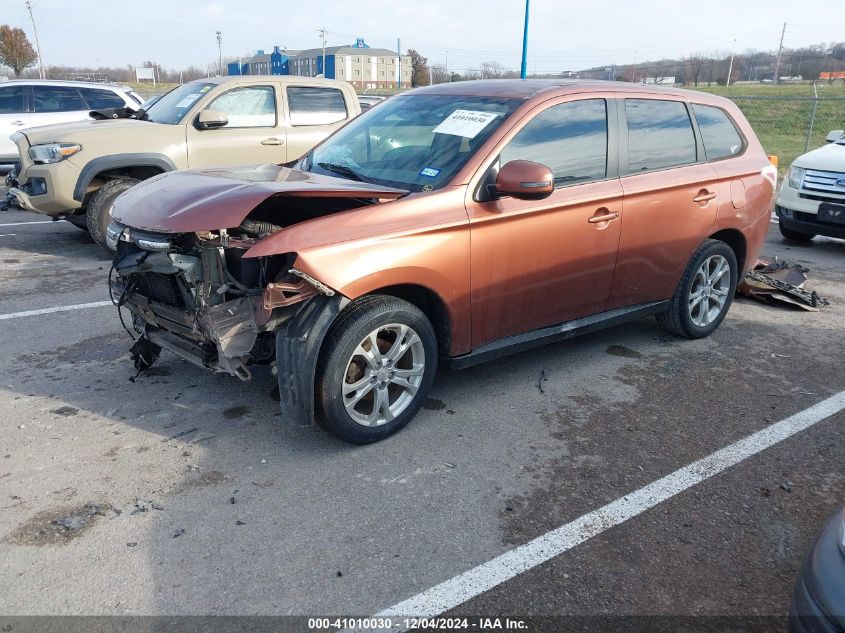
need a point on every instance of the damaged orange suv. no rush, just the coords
(450, 225)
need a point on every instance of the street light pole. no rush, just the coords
(220, 53)
(41, 74)
(731, 65)
(524, 68)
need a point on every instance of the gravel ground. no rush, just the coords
(185, 493)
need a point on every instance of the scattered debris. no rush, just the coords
(765, 492)
(433, 404)
(509, 508)
(777, 282)
(622, 351)
(180, 434)
(58, 527)
(239, 522)
(787, 485)
(144, 506)
(232, 500)
(65, 411)
(339, 574)
(544, 377)
(179, 532)
(449, 465)
(132, 544)
(263, 461)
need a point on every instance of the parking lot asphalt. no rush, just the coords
(188, 494)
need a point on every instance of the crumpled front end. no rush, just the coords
(195, 295)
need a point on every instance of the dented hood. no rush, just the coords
(212, 199)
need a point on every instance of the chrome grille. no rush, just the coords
(824, 182)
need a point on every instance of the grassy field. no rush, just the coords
(780, 115)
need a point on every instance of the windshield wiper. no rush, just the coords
(343, 170)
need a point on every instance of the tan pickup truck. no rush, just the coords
(76, 170)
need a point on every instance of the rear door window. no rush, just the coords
(12, 99)
(315, 106)
(57, 99)
(254, 106)
(721, 140)
(660, 135)
(98, 99)
(570, 139)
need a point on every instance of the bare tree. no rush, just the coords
(15, 50)
(694, 68)
(493, 70)
(438, 74)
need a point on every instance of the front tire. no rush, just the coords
(375, 369)
(705, 292)
(795, 236)
(97, 215)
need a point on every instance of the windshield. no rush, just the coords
(415, 142)
(171, 107)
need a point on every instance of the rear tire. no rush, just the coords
(705, 292)
(97, 215)
(363, 397)
(795, 236)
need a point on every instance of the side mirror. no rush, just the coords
(525, 180)
(211, 119)
(834, 136)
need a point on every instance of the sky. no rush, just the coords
(562, 35)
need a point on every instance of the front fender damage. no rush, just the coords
(298, 344)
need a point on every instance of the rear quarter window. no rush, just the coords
(660, 135)
(315, 106)
(718, 132)
(57, 99)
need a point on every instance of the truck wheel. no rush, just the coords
(795, 236)
(97, 216)
(704, 293)
(375, 369)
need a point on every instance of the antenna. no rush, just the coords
(37, 45)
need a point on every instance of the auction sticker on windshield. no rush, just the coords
(466, 123)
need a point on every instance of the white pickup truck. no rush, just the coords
(811, 200)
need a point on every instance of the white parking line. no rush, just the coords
(472, 583)
(79, 306)
(22, 223)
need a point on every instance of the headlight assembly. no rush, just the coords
(52, 152)
(794, 177)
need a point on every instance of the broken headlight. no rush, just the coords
(52, 152)
(794, 176)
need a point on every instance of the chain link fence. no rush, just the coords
(791, 126)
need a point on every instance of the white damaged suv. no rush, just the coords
(811, 200)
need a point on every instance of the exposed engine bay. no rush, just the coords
(196, 295)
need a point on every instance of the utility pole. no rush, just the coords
(220, 52)
(37, 45)
(731, 65)
(523, 70)
(430, 75)
(448, 74)
(399, 60)
(323, 33)
(780, 50)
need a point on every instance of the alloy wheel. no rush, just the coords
(709, 290)
(383, 374)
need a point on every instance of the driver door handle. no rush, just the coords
(18, 123)
(272, 141)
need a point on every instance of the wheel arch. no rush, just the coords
(430, 303)
(736, 240)
(139, 165)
